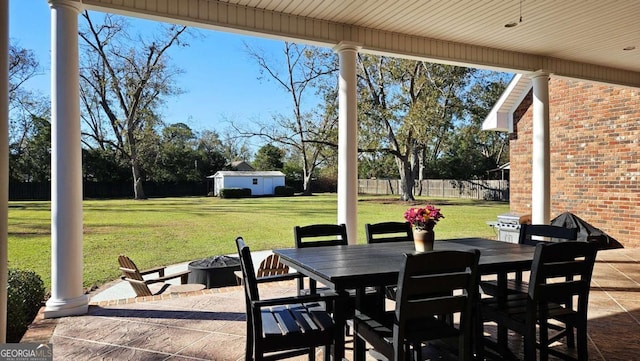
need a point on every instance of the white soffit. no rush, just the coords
(500, 117)
(570, 38)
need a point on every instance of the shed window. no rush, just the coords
(255, 180)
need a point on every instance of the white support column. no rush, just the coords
(4, 165)
(348, 140)
(67, 297)
(541, 164)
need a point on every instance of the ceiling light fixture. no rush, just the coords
(629, 48)
(513, 24)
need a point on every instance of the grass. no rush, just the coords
(166, 231)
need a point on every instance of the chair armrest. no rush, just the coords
(160, 270)
(329, 296)
(382, 320)
(131, 280)
(183, 276)
(282, 277)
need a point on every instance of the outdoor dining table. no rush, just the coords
(376, 265)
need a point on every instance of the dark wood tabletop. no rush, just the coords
(366, 265)
(363, 265)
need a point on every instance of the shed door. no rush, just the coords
(267, 185)
(219, 184)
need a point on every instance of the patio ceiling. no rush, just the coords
(579, 39)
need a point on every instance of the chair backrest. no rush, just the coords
(248, 273)
(561, 271)
(388, 232)
(432, 284)
(271, 266)
(128, 268)
(554, 233)
(133, 276)
(317, 235)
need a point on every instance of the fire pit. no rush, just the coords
(214, 272)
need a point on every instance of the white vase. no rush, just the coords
(423, 239)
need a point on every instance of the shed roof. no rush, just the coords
(241, 165)
(239, 173)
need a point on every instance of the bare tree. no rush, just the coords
(407, 109)
(24, 105)
(233, 146)
(29, 114)
(22, 67)
(123, 82)
(311, 134)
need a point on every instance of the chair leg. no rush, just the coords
(581, 331)
(417, 352)
(479, 335)
(530, 341)
(570, 327)
(312, 353)
(359, 346)
(258, 353)
(465, 347)
(248, 356)
(544, 340)
(327, 353)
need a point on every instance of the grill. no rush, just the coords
(508, 226)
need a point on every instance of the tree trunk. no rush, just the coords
(306, 184)
(138, 190)
(419, 159)
(406, 180)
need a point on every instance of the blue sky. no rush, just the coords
(219, 81)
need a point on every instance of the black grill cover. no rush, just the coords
(586, 232)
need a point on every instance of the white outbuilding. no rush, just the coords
(260, 182)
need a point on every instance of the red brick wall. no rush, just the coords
(595, 156)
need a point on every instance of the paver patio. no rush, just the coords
(210, 324)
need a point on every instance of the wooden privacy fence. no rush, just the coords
(109, 190)
(444, 188)
(497, 190)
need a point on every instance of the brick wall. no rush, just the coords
(595, 156)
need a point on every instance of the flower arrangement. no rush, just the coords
(423, 217)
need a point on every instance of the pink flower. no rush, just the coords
(423, 218)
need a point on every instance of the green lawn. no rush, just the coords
(171, 230)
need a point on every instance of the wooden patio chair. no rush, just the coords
(283, 327)
(322, 235)
(318, 235)
(561, 273)
(527, 233)
(552, 233)
(140, 285)
(271, 267)
(430, 285)
(389, 232)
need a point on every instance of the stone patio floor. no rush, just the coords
(210, 324)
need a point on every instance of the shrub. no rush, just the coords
(24, 298)
(284, 191)
(235, 193)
